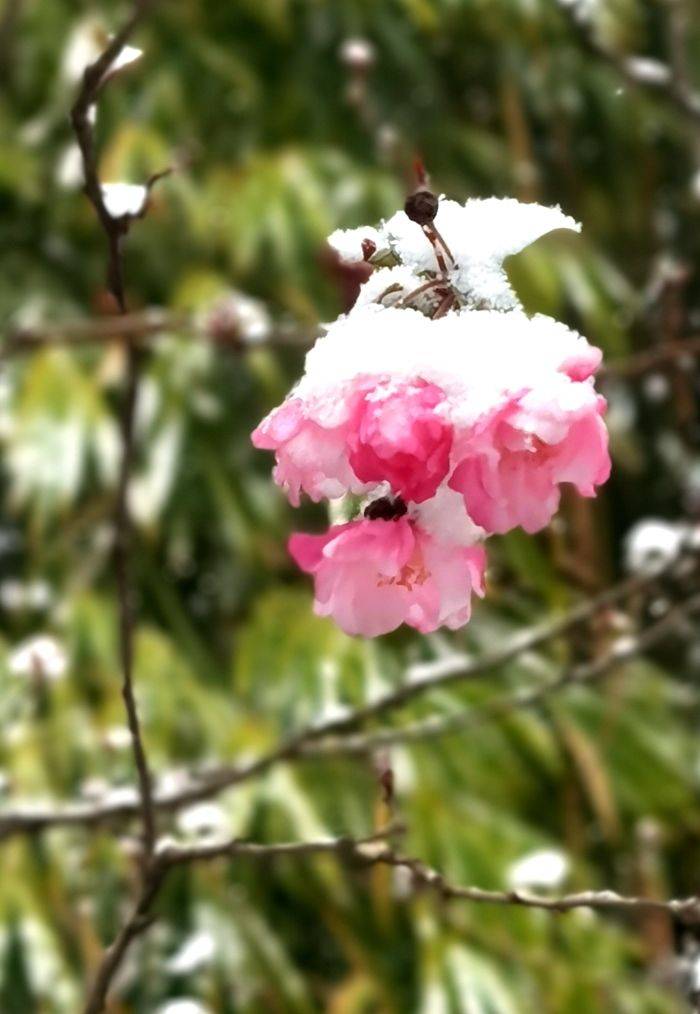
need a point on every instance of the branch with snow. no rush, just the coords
(666, 80)
(335, 736)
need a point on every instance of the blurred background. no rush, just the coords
(285, 119)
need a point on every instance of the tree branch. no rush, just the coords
(371, 850)
(651, 359)
(170, 856)
(419, 680)
(115, 229)
(587, 673)
(138, 328)
(645, 72)
(427, 877)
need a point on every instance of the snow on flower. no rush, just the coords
(381, 430)
(480, 234)
(41, 656)
(436, 394)
(374, 574)
(514, 463)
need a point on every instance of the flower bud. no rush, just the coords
(421, 206)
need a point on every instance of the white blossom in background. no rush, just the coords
(41, 655)
(150, 487)
(69, 168)
(124, 199)
(203, 820)
(94, 788)
(17, 596)
(183, 1005)
(126, 56)
(653, 542)
(357, 53)
(195, 952)
(545, 869)
(237, 317)
(85, 44)
(656, 387)
(117, 737)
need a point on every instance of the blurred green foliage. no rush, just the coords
(279, 141)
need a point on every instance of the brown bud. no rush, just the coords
(421, 206)
(369, 248)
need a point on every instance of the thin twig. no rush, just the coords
(361, 850)
(643, 362)
(138, 921)
(420, 679)
(144, 325)
(115, 230)
(653, 75)
(425, 876)
(585, 674)
(371, 850)
(138, 328)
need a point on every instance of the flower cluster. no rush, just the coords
(437, 399)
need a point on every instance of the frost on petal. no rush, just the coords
(122, 199)
(372, 576)
(372, 430)
(477, 357)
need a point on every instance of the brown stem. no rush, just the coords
(418, 681)
(137, 923)
(115, 229)
(125, 593)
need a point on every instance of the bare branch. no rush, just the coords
(138, 328)
(307, 742)
(425, 876)
(94, 78)
(651, 74)
(642, 362)
(588, 673)
(143, 326)
(371, 850)
(141, 916)
(138, 921)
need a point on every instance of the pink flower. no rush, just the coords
(511, 466)
(396, 435)
(376, 430)
(309, 457)
(373, 575)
